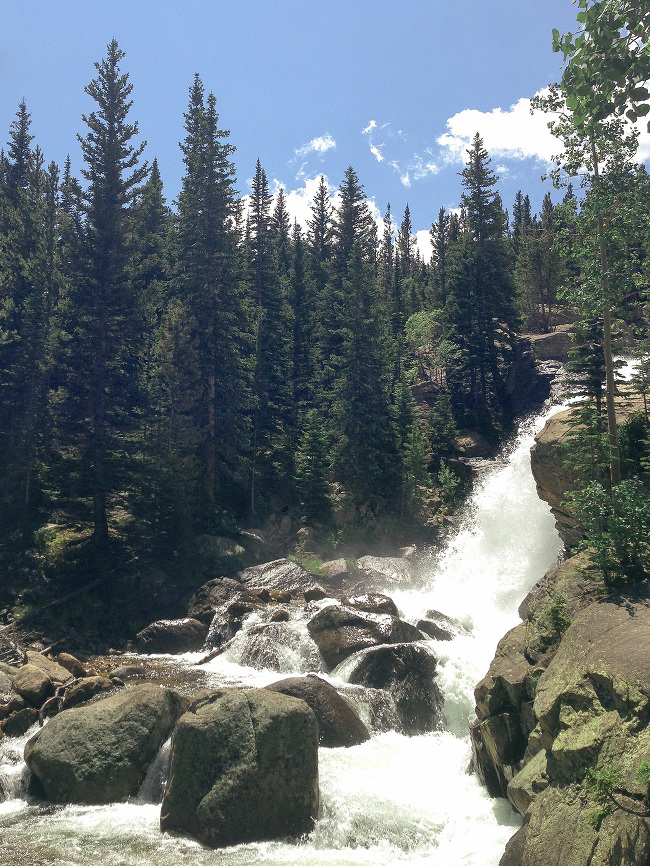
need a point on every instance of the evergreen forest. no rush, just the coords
(176, 369)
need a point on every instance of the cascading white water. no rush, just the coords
(393, 799)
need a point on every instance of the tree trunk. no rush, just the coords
(610, 386)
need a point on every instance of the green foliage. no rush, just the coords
(442, 427)
(311, 563)
(557, 615)
(312, 471)
(617, 528)
(598, 786)
(448, 483)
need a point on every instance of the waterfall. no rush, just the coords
(393, 799)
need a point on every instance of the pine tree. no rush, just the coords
(210, 287)
(108, 325)
(480, 306)
(272, 374)
(440, 240)
(28, 202)
(312, 471)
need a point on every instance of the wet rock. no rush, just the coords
(71, 664)
(18, 723)
(14, 704)
(501, 735)
(85, 689)
(514, 852)
(33, 685)
(99, 753)
(281, 596)
(407, 671)
(338, 722)
(435, 631)
(315, 593)
(340, 631)
(280, 616)
(277, 646)
(372, 602)
(469, 443)
(280, 574)
(244, 767)
(211, 596)
(131, 672)
(389, 570)
(228, 618)
(445, 623)
(172, 636)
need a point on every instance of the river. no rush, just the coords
(392, 800)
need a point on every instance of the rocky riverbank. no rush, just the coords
(244, 761)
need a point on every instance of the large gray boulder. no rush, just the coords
(172, 636)
(100, 753)
(385, 570)
(407, 671)
(212, 595)
(244, 767)
(341, 631)
(33, 685)
(338, 722)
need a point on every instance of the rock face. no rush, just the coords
(552, 477)
(407, 671)
(244, 767)
(340, 631)
(100, 753)
(338, 723)
(554, 346)
(172, 636)
(553, 706)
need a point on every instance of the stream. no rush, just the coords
(392, 800)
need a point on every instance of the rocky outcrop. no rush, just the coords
(244, 767)
(553, 477)
(407, 672)
(100, 753)
(504, 697)
(569, 690)
(338, 723)
(340, 631)
(172, 636)
(554, 346)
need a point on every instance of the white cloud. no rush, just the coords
(376, 152)
(320, 144)
(372, 125)
(423, 243)
(513, 134)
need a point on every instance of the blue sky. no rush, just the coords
(308, 86)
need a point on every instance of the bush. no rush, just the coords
(616, 524)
